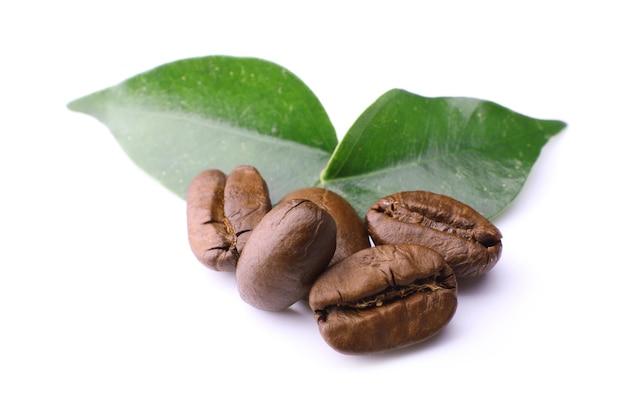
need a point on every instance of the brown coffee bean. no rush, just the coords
(284, 254)
(469, 242)
(222, 211)
(351, 232)
(246, 202)
(384, 297)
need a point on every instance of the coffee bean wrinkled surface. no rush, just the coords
(313, 246)
(469, 242)
(285, 253)
(384, 297)
(222, 211)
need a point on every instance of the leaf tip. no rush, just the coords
(73, 105)
(80, 105)
(553, 127)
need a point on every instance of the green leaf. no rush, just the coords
(473, 150)
(218, 112)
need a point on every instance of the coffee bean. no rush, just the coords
(469, 242)
(222, 211)
(284, 254)
(351, 232)
(384, 297)
(246, 202)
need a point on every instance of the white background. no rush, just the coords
(105, 312)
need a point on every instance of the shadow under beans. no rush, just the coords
(298, 310)
(299, 318)
(297, 314)
(475, 286)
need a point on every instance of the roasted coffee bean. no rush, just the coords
(284, 254)
(246, 202)
(222, 211)
(469, 242)
(351, 232)
(384, 297)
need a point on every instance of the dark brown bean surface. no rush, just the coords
(284, 254)
(246, 202)
(382, 298)
(351, 232)
(469, 242)
(221, 212)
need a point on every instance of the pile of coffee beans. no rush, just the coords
(312, 245)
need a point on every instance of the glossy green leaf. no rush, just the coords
(218, 112)
(473, 150)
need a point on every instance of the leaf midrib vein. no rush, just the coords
(219, 125)
(417, 161)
